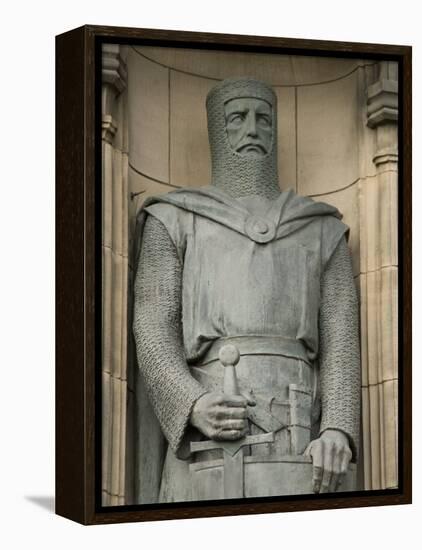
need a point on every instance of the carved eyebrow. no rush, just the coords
(237, 112)
(264, 110)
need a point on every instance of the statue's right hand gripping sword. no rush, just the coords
(232, 450)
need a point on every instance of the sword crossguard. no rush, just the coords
(231, 447)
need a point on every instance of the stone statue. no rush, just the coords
(246, 321)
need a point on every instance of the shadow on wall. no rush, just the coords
(43, 501)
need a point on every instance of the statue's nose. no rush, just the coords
(251, 124)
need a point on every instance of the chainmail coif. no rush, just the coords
(241, 174)
(158, 334)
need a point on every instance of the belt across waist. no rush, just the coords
(258, 345)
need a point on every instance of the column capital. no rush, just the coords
(114, 71)
(114, 80)
(382, 97)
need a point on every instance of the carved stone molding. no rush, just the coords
(382, 102)
(382, 114)
(385, 156)
(114, 71)
(114, 80)
(382, 97)
(108, 128)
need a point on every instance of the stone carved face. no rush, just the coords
(249, 125)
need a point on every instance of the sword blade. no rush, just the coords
(233, 475)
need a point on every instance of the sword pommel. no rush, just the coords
(229, 357)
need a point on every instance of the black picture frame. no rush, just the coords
(78, 273)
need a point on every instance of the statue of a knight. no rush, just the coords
(246, 321)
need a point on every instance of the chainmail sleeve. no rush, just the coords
(339, 358)
(157, 329)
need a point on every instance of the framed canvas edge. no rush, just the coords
(77, 168)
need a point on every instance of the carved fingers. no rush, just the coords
(331, 456)
(315, 451)
(220, 416)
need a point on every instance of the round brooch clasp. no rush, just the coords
(259, 230)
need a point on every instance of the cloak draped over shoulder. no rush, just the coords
(271, 284)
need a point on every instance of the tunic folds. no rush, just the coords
(245, 274)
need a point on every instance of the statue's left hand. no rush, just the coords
(330, 455)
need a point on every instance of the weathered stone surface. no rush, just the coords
(106, 423)
(366, 438)
(327, 135)
(286, 113)
(380, 422)
(367, 137)
(114, 438)
(380, 299)
(116, 393)
(119, 204)
(378, 219)
(107, 194)
(121, 139)
(284, 70)
(375, 436)
(390, 398)
(190, 164)
(148, 112)
(115, 287)
(115, 200)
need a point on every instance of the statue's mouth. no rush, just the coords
(252, 148)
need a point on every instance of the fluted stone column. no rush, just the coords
(114, 274)
(378, 285)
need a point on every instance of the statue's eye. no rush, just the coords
(264, 120)
(236, 118)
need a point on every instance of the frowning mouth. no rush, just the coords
(252, 148)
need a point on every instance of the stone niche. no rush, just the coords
(337, 142)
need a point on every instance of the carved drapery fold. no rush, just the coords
(378, 286)
(114, 276)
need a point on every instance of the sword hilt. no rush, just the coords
(229, 357)
(233, 473)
